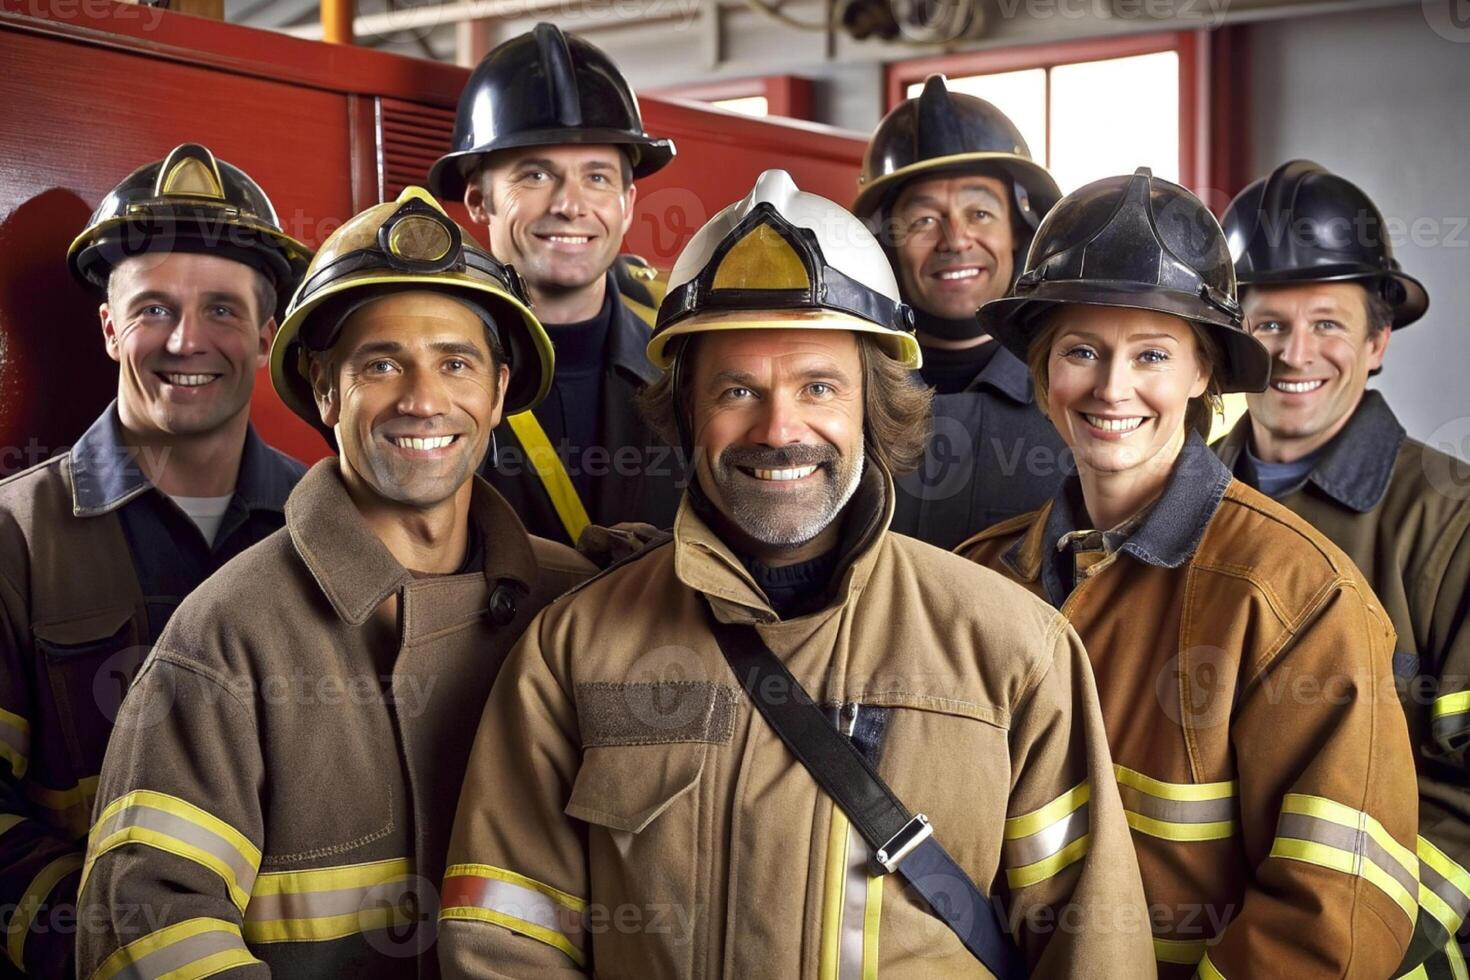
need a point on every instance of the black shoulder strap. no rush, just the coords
(900, 841)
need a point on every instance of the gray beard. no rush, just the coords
(757, 523)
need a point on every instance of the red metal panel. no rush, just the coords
(96, 88)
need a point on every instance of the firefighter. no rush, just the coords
(279, 790)
(547, 145)
(951, 189)
(1323, 292)
(657, 818)
(100, 544)
(1241, 659)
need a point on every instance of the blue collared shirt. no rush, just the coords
(1166, 535)
(168, 550)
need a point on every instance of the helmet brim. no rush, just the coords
(94, 253)
(287, 360)
(1040, 186)
(1013, 321)
(447, 175)
(1413, 306)
(902, 347)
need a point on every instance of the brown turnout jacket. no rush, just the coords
(628, 813)
(1401, 511)
(279, 790)
(1244, 669)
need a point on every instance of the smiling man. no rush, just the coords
(1323, 292)
(951, 188)
(100, 544)
(547, 144)
(660, 827)
(278, 794)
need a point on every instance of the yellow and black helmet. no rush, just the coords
(406, 244)
(784, 259)
(188, 202)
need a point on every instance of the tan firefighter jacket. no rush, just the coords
(279, 789)
(628, 814)
(1244, 670)
(1401, 511)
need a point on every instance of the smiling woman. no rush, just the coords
(1194, 595)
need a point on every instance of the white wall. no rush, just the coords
(1381, 97)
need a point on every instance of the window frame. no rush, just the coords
(787, 96)
(1192, 47)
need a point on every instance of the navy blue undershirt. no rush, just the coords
(571, 413)
(795, 590)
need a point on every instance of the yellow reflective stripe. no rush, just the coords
(1320, 831)
(329, 903)
(9, 820)
(1450, 704)
(180, 828)
(70, 809)
(36, 893)
(1031, 874)
(1037, 820)
(553, 473)
(1180, 792)
(851, 906)
(187, 950)
(1207, 970)
(1186, 952)
(15, 742)
(483, 893)
(1176, 811)
(531, 930)
(832, 892)
(1458, 969)
(1444, 887)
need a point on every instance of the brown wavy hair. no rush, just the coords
(897, 407)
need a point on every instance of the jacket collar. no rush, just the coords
(1006, 374)
(1167, 537)
(356, 571)
(1356, 467)
(627, 342)
(706, 564)
(105, 474)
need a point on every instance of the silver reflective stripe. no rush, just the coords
(854, 909)
(319, 905)
(147, 818)
(1047, 841)
(1176, 811)
(528, 905)
(1445, 889)
(1319, 831)
(180, 954)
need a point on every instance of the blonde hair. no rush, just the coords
(1201, 411)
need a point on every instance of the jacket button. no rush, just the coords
(502, 606)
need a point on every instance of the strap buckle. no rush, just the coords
(902, 844)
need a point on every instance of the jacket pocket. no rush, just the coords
(628, 787)
(88, 664)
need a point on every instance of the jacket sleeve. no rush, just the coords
(39, 867)
(1076, 898)
(516, 884)
(1441, 687)
(1328, 806)
(175, 847)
